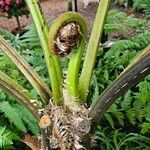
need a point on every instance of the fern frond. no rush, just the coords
(5, 137)
(116, 113)
(145, 127)
(109, 118)
(7, 35)
(127, 100)
(131, 116)
(121, 46)
(144, 92)
(28, 119)
(31, 36)
(12, 115)
(142, 39)
(32, 76)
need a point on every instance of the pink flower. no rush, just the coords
(7, 2)
(17, 1)
(1, 3)
(1, 10)
(6, 8)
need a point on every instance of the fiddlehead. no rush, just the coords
(67, 34)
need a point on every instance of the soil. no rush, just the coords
(51, 10)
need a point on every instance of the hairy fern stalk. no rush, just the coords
(64, 119)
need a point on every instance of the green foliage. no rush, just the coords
(142, 5)
(27, 119)
(125, 26)
(133, 108)
(30, 36)
(117, 140)
(17, 115)
(14, 116)
(5, 137)
(31, 53)
(129, 110)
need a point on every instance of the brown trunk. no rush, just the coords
(72, 5)
(18, 23)
(69, 5)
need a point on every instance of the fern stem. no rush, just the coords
(90, 56)
(52, 61)
(133, 74)
(20, 94)
(71, 84)
(75, 59)
(26, 69)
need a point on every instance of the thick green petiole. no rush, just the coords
(73, 70)
(52, 61)
(90, 56)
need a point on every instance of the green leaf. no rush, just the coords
(126, 103)
(131, 115)
(28, 119)
(2, 95)
(109, 119)
(145, 127)
(12, 115)
(5, 137)
(144, 94)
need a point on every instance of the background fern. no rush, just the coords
(114, 56)
(6, 138)
(17, 114)
(142, 5)
(116, 140)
